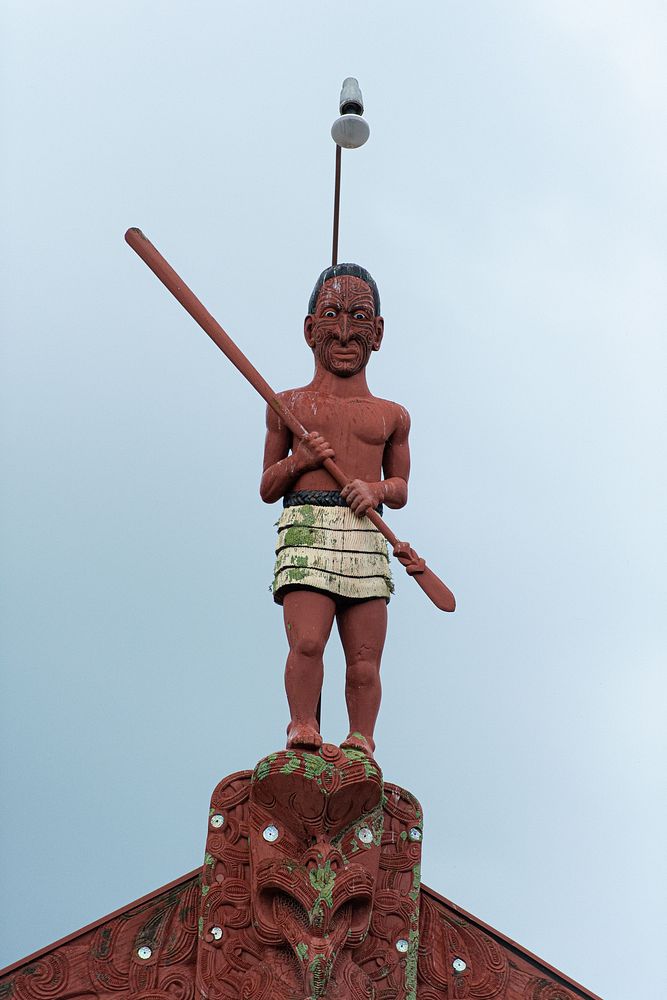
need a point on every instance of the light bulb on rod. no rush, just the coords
(350, 131)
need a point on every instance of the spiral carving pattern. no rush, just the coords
(346, 861)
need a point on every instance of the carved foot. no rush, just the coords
(303, 734)
(355, 741)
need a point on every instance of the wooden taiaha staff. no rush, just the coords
(432, 585)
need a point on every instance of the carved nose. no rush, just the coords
(345, 331)
(321, 853)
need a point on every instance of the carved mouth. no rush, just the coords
(347, 351)
(288, 910)
(285, 896)
(348, 358)
(315, 952)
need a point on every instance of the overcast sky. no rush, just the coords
(511, 205)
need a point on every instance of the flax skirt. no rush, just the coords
(331, 549)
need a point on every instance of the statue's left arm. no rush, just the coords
(393, 489)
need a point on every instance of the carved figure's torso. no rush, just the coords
(359, 429)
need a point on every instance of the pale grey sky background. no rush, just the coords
(511, 205)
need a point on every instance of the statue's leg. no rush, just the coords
(308, 616)
(363, 627)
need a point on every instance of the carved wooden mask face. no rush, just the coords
(344, 329)
(315, 857)
(310, 886)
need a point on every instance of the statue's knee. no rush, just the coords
(309, 648)
(363, 673)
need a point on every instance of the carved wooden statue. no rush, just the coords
(332, 562)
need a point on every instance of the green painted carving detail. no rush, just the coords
(411, 964)
(302, 951)
(322, 879)
(413, 938)
(293, 764)
(320, 972)
(263, 769)
(358, 755)
(416, 881)
(316, 766)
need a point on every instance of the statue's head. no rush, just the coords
(343, 325)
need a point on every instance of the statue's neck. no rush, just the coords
(334, 385)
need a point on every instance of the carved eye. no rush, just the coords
(330, 313)
(359, 315)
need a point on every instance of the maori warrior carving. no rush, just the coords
(331, 560)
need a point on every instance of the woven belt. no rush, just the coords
(318, 498)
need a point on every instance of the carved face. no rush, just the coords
(316, 825)
(344, 329)
(310, 886)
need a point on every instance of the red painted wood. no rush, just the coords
(101, 961)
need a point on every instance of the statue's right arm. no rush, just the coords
(282, 469)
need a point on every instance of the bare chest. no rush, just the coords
(368, 422)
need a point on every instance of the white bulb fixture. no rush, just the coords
(350, 130)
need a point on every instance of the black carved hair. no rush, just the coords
(341, 271)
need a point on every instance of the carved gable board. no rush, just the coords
(310, 888)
